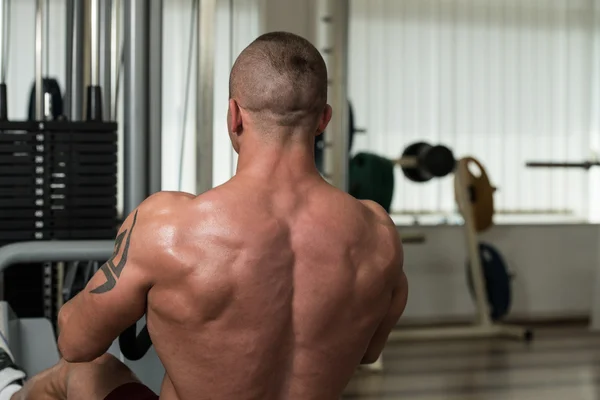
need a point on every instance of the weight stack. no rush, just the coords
(58, 181)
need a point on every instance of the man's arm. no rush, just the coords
(115, 297)
(399, 288)
(397, 305)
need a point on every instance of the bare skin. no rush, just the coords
(280, 283)
(272, 286)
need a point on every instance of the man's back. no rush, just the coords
(273, 290)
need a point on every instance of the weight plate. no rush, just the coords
(86, 180)
(82, 127)
(41, 190)
(77, 138)
(16, 148)
(416, 174)
(80, 159)
(497, 281)
(26, 202)
(90, 212)
(101, 148)
(439, 161)
(43, 223)
(64, 234)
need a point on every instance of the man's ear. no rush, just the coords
(324, 119)
(235, 117)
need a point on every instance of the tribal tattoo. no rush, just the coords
(112, 271)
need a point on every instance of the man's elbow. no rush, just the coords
(370, 358)
(70, 344)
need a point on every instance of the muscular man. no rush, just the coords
(274, 285)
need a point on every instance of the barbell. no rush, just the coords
(372, 176)
(421, 162)
(584, 165)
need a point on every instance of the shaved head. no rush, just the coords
(281, 80)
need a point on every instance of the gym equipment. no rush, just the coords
(484, 326)
(53, 100)
(422, 162)
(372, 177)
(497, 281)
(32, 341)
(583, 165)
(481, 194)
(320, 143)
(58, 179)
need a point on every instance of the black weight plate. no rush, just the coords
(18, 170)
(84, 180)
(497, 281)
(78, 159)
(415, 174)
(6, 137)
(109, 169)
(79, 234)
(73, 138)
(102, 148)
(41, 190)
(60, 126)
(439, 161)
(42, 223)
(25, 202)
(84, 213)
(17, 148)
(9, 160)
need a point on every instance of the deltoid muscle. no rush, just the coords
(112, 271)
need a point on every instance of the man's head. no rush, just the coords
(278, 86)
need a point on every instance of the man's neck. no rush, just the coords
(271, 158)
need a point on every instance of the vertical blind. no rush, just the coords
(504, 81)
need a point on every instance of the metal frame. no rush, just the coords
(105, 57)
(135, 96)
(155, 96)
(205, 95)
(483, 326)
(39, 59)
(338, 131)
(55, 251)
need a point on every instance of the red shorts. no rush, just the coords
(132, 391)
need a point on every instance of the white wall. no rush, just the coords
(554, 265)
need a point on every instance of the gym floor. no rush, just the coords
(561, 363)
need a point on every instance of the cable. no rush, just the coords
(115, 105)
(187, 89)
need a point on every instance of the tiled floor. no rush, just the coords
(561, 363)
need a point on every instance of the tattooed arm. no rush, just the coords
(115, 297)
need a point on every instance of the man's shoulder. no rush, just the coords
(384, 233)
(165, 201)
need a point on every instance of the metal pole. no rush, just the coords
(95, 42)
(116, 54)
(2, 41)
(3, 59)
(39, 60)
(339, 97)
(105, 55)
(204, 95)
(155, 88)
(68, 58)
(135, 120)
(78, 61)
